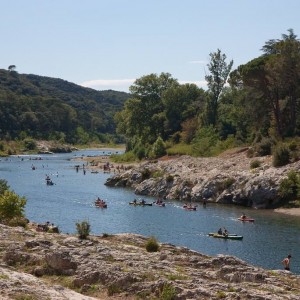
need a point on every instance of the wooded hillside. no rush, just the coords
(51, 108)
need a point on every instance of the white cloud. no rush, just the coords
(106, 84)
(124, 84)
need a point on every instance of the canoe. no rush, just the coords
(230, 237)
(246, 219)
(159, 204)
(140, 204)
(230, 234)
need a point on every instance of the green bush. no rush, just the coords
(3, 186)
(255, 164)
(83, 229)
(152, 245)
(29, 144)
(11, 206)
(264, 147)
(281, 156)
(168, 292)
(289, 187)
(159, 147)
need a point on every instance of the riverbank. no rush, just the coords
(42, 266)
(226, 179)
(289, 211)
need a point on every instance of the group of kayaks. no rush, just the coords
(231, 236)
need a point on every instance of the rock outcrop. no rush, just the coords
(39, 265)
(228, 179)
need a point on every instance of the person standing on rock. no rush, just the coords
(286, 262)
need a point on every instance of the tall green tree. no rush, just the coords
(219, 71)
(181, 102)
(143, 116)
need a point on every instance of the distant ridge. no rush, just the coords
(43, 106)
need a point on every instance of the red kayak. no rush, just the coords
(246, 219)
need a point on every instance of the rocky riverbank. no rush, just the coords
(39, 266)
(227, 179)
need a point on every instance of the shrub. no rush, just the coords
(3, 186)
(11, 206)
(281, 156)
(255, 164)
(159, 147)
(169, 178)
(29, 144)
(289, 187)
(83, 229)
(168, 292)
(264, 147)
(152, 245)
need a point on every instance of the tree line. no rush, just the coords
(258, 102)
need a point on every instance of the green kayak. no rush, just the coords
(230, 236)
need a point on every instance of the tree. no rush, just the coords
(143, 116)
(219, 72)
(181, 103)
(273, 80)
(11, 206)
(11, 68)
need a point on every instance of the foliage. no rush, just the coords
(29, 144)
(168, 292)
(255, 164)
(181, 149)
(159, 148)
(3, 186)
(289, 187)
(83, 229)
(216, 80)
(124, 158)
(152, 245)
(281, 155)
(206, 138)
(264, 147)
(11, 206)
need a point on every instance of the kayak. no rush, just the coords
(159, 204)
(140, 203)
(187, 207)
(230, 236)
(246, 219)
(101, 205)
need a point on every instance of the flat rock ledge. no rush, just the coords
(228, 179)
(43, 266)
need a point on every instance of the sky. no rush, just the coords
(108, 44)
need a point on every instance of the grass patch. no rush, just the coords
(180, 149)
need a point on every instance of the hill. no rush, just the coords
(44, 107)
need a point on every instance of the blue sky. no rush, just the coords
(107, 44)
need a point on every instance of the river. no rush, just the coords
(71, 199)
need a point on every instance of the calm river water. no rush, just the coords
(71, 199)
